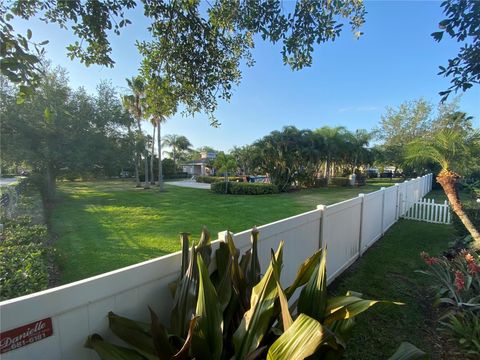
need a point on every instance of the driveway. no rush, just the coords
(7, 181)
(190, 184)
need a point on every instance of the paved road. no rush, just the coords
(6, 181)
(190, 184)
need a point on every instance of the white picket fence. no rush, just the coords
(429, 211)
(76, 310)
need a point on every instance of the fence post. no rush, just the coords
(360, 237)
(322, 209)
(397, 205)
(383, 210)
(222, 235)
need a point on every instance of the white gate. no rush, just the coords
(427, 210)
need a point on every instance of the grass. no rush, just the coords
(102, 226)
(387, 271)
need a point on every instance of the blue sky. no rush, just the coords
(350, 83)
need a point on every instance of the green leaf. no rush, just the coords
(47, 115)
(259, 318)
(182, 354)
(347, 307)
(108, 351)
(136, 334)
(160, 337)
(204, 247)
(185, 244)
(407, 351)
(301, 340)
(238, 278)
(304, 273)
(224, 284)
(207, 341)
(313, 298)
(185, 299)
(286, 316)
(253, 269)
(29, 34)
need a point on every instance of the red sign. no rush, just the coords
(25, 335)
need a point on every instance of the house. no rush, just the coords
(202, 166)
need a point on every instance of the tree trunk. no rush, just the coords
(175, 161)
(152, 176)
(159, 146)
(137, 176)
(49, 186)
(137, 172)
(447, 179)
(146, 185)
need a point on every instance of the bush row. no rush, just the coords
(23, 258)
(215, 179)
(243, 188)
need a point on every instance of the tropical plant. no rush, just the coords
(179, 144)
(236, 313)
(452, 150)
(135, 104)
(161, 103)
(457, 285)
(225, 163)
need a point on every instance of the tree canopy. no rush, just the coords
(197, 47)
(462, 23)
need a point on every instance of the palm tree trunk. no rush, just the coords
(137, 173)
(152, 177)
(175, 161)
(447, 179)
(137, 176)
(159, 146)
(146, 185)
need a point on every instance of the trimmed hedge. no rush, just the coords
(215, 179)
(242, 188)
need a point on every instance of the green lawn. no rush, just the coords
(387, 271)
(101, 226)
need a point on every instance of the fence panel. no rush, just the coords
(390, 207)
(80, 308)
(340, 232)
(372, 223)
(301, 236)
(427, 210)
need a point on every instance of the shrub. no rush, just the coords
(457, 284)
(23, 258)
(208, 179)
(235, 312)
(340, 181)
(241, 188)
(215, 179)
(23, 270)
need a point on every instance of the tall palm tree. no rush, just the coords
(451, 149)
(161, 103)
(134, 103)
(179, 145)
(334, 145)
(152, 176)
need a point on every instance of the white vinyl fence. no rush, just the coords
(427, 210)
(76, 310)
